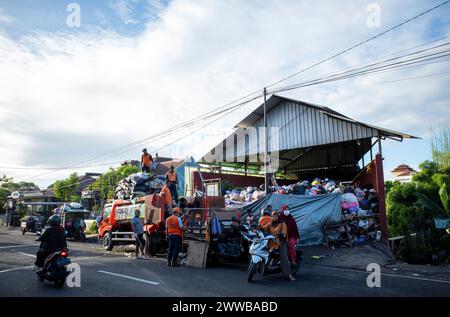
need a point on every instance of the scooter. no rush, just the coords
(262, 261)
(55, 268)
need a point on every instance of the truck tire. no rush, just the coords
(107, 241)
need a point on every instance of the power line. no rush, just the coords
(295, 74)
(359, 44)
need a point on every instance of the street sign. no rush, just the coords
(15, 195)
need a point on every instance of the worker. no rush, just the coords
(174, 233)
(171, 181)
(138, 232)
(146, 161)
(278, 229)
(166, 198)
(265, 217)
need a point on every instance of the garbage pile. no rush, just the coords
(359, 205)
(242, 196)
(138, 185)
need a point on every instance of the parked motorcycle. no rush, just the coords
(262, 261)
(55, 268)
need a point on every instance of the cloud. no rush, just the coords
(65, 98)
(124, 10)
(4, 18)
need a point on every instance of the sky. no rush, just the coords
(132, 68)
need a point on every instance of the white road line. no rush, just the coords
(27, 254)
(130, 277)
(18, 246)
(17, 268)
(384, 274)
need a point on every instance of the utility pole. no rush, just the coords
(266, 145)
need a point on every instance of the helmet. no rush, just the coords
(54, 220)
(176, 210)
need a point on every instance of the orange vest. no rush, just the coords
(168, 196)
(172, 177)
(173, 226)
(145, 159)
(264, 220)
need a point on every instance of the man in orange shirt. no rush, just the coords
(174, 233)
(146, 161)
(171, 181)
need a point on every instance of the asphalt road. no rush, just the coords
(115, 274)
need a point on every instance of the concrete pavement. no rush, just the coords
(115, 274)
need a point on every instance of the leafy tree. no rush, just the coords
(440, 147)
(7, 186)
(66, 189)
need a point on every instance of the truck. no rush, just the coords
(115, 223)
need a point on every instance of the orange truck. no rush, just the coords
(115, 224)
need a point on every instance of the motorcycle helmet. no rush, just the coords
(54, 220)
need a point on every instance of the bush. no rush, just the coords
(92, 229)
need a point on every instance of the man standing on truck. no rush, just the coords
(138, 230)
(174, 233)
(171, 181)
(166, 197)
(146, 161)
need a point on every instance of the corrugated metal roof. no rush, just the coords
(304, 136)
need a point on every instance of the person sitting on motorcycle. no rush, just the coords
(278, 229)
(52, 239)
(265, 218)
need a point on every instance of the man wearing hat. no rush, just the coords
(174, 233)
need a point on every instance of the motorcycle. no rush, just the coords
(55, 268)
(32, 224)
(261, 260)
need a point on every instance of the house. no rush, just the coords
(403, 173)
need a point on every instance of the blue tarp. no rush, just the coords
(310, 212)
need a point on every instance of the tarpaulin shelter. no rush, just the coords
(310, 212)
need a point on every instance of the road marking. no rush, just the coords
(18, 246)
(130, 277)
(17, 268)
(27, 254)
(391, 275)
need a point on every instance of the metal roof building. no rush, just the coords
(304, 140)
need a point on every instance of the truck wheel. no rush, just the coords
(107, 241)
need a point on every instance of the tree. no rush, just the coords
(440, 147)
(411, 210)
(7, 186)
(66, 189)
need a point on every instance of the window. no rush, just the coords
(107, 211)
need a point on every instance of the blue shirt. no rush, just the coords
(138, 227)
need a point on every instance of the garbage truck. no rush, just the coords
(115, 222)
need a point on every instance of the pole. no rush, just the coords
(266, 145)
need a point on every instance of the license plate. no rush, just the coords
(62, 262)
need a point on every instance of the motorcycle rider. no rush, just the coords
(278, 229)
(53, 238)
